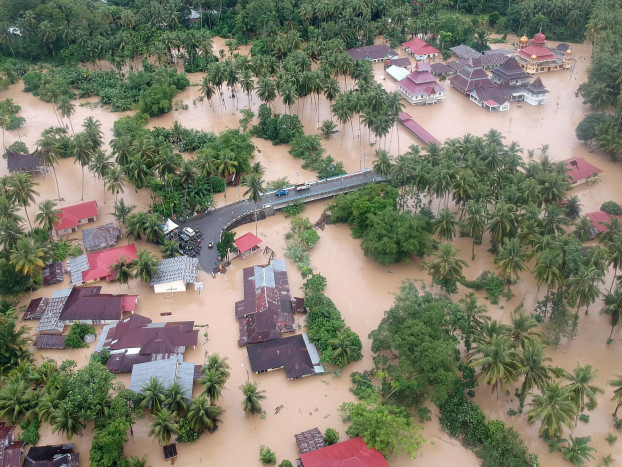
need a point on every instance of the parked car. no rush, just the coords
(281, 192)
(188, 231)
(302, 186)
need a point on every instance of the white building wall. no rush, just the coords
(175, 286)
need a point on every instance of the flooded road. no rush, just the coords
(361, 289)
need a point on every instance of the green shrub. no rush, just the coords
(266, 456)
(60, 250)
(294, 209)
(490, 282)
(30, 431)
(315, 284)
(18, 146)
(585, 418)
(331, 436)
(279, 129)
(612, 208)
(75, 338)
(308, 238)
(186, 433)
(285, 463)
(218, 185)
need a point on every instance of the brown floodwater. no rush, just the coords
(361, 289)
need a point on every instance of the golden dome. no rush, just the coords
(568, 52)
(524, 40)
(533, 57)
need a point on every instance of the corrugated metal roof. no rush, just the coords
(174, 269)
(167, 372)
(76, 266)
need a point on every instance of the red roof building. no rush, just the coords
(599, 219)
(420, 132)
(420, 86)
(96, 266)
(247, 244)
(10, 450)
(350, 453)
(420, 49)
(579, 170)
(73, 216)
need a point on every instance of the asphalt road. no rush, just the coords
(214, 221)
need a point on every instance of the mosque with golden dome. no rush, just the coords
(536, 57)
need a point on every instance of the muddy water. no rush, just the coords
(361, 289)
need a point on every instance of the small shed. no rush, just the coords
(310, 440)
(49, 341)
(29, 163)
(170, 451)
(36, 308)
(397, 73)
(247, 245)
(52, 456)
(53, 273)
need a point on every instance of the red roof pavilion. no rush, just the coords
(579, 169)
(71, 215)
(350, 453)
(247, 242)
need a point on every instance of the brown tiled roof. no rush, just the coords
(374, 52)
(47, 341)
(536, 87)
(87, 303)
(509, 70)
(36, 308)
(123, 363)
(103, 236)
(310, 440)
(52, 273)
(465, 80)
(289, 353)
(266, 310)
(10, 450)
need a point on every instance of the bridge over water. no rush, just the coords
(242, 212)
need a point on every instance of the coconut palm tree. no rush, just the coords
(169, 248)
(266, 90)
(583, 229)
(175, 400)
(578, 451)
(614, 249)
(213, 381)
(617, 392)
(164, 426)
(226, 165)
(344, 348)
(580, 387)
(613, 307)
(115, 180)
(153, 395)
(152, 228)
(23, 191)
(474, 314)
(521, 328)
(533, 365)
(554, 407)
(254, 190)
(27, 256)
(207, 89)
(510, 260)
(251, 402)
(137, 171)
(48, 152)
(501, 223)
(92, 129)
(100, 163)
(219, 365)
(66, 108)
(65, 420)
(203, 416)
(445, 225)
(123, 270)
(48, 216)
(584, 286)
(82, 150)
(498, 363)
(146, 266)
(17, 400)
(122, 210)
(8, 209)
(135, 461)
(548, 269)
(327, 129)
(10, 233)
(383, 165)
(446, 269)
